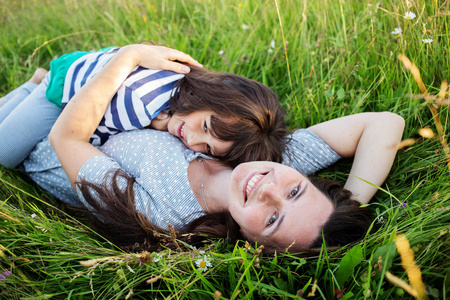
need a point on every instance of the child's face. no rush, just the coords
(194, 131)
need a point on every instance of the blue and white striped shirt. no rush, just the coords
(142, 96)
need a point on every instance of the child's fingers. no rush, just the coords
(162, 58)
(183, 57)
(176, 67)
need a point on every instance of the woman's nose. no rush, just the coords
(270, 194)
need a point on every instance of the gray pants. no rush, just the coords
(26, 117)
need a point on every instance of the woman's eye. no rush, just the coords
(272, 220)
(208, 149)
(205, 127)
(294, 192)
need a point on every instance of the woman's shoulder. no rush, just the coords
(136, 149)
(307, 153)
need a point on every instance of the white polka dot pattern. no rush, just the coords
(307, 153)
(159, 162)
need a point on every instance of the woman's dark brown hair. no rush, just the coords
(116, 219)
(348, 223)
(114, 216)
(245, 112)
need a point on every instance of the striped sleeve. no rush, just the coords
(82, 70)
(142, 96)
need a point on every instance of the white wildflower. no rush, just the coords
(156, 257)
(409, 15)
(272, 44)
(245, 26)
(397, 31)
(203, 263)
(427, 41)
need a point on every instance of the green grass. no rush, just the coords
(331, 58)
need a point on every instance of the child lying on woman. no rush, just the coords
(223, 115)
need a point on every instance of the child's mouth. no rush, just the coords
(180, 132)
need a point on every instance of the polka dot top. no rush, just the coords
(307, 153)
(159, 162)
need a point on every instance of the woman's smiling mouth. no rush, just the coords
(251, 183)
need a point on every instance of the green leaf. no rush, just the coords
(348, 264)
(329, 93)
(387, 252)
(341, 93)
(280, 283)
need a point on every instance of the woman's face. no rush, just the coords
(194, 130)
(276, 205)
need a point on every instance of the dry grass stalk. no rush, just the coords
(408, 263)
(437, 121)
(416, 288)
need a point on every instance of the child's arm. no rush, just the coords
(372, 139)
(71, 133)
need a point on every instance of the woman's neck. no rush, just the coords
(215, 177)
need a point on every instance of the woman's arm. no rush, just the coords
(372, 139)
(71, 133)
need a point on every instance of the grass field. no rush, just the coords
(325, 59)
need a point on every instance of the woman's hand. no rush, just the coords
(372, 139)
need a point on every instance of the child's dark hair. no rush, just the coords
(245, 112)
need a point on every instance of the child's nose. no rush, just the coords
(193, 140)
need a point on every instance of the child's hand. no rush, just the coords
(160, 58)
(160, 122)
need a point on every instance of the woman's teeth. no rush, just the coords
(251, 184)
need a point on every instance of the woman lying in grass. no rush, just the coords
(141, 181)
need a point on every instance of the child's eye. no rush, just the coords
(205, 127)
(294, 192)
(272, 219)
(208, 149)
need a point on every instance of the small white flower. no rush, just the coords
(221, 52)
(270, 51)
(245, 26)
(368, 4)
(272, 44)
(397, 31)
(33, 216)
(381, 220)
(156, 257)
(409, 15)
(203, 263)
(427, 41)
